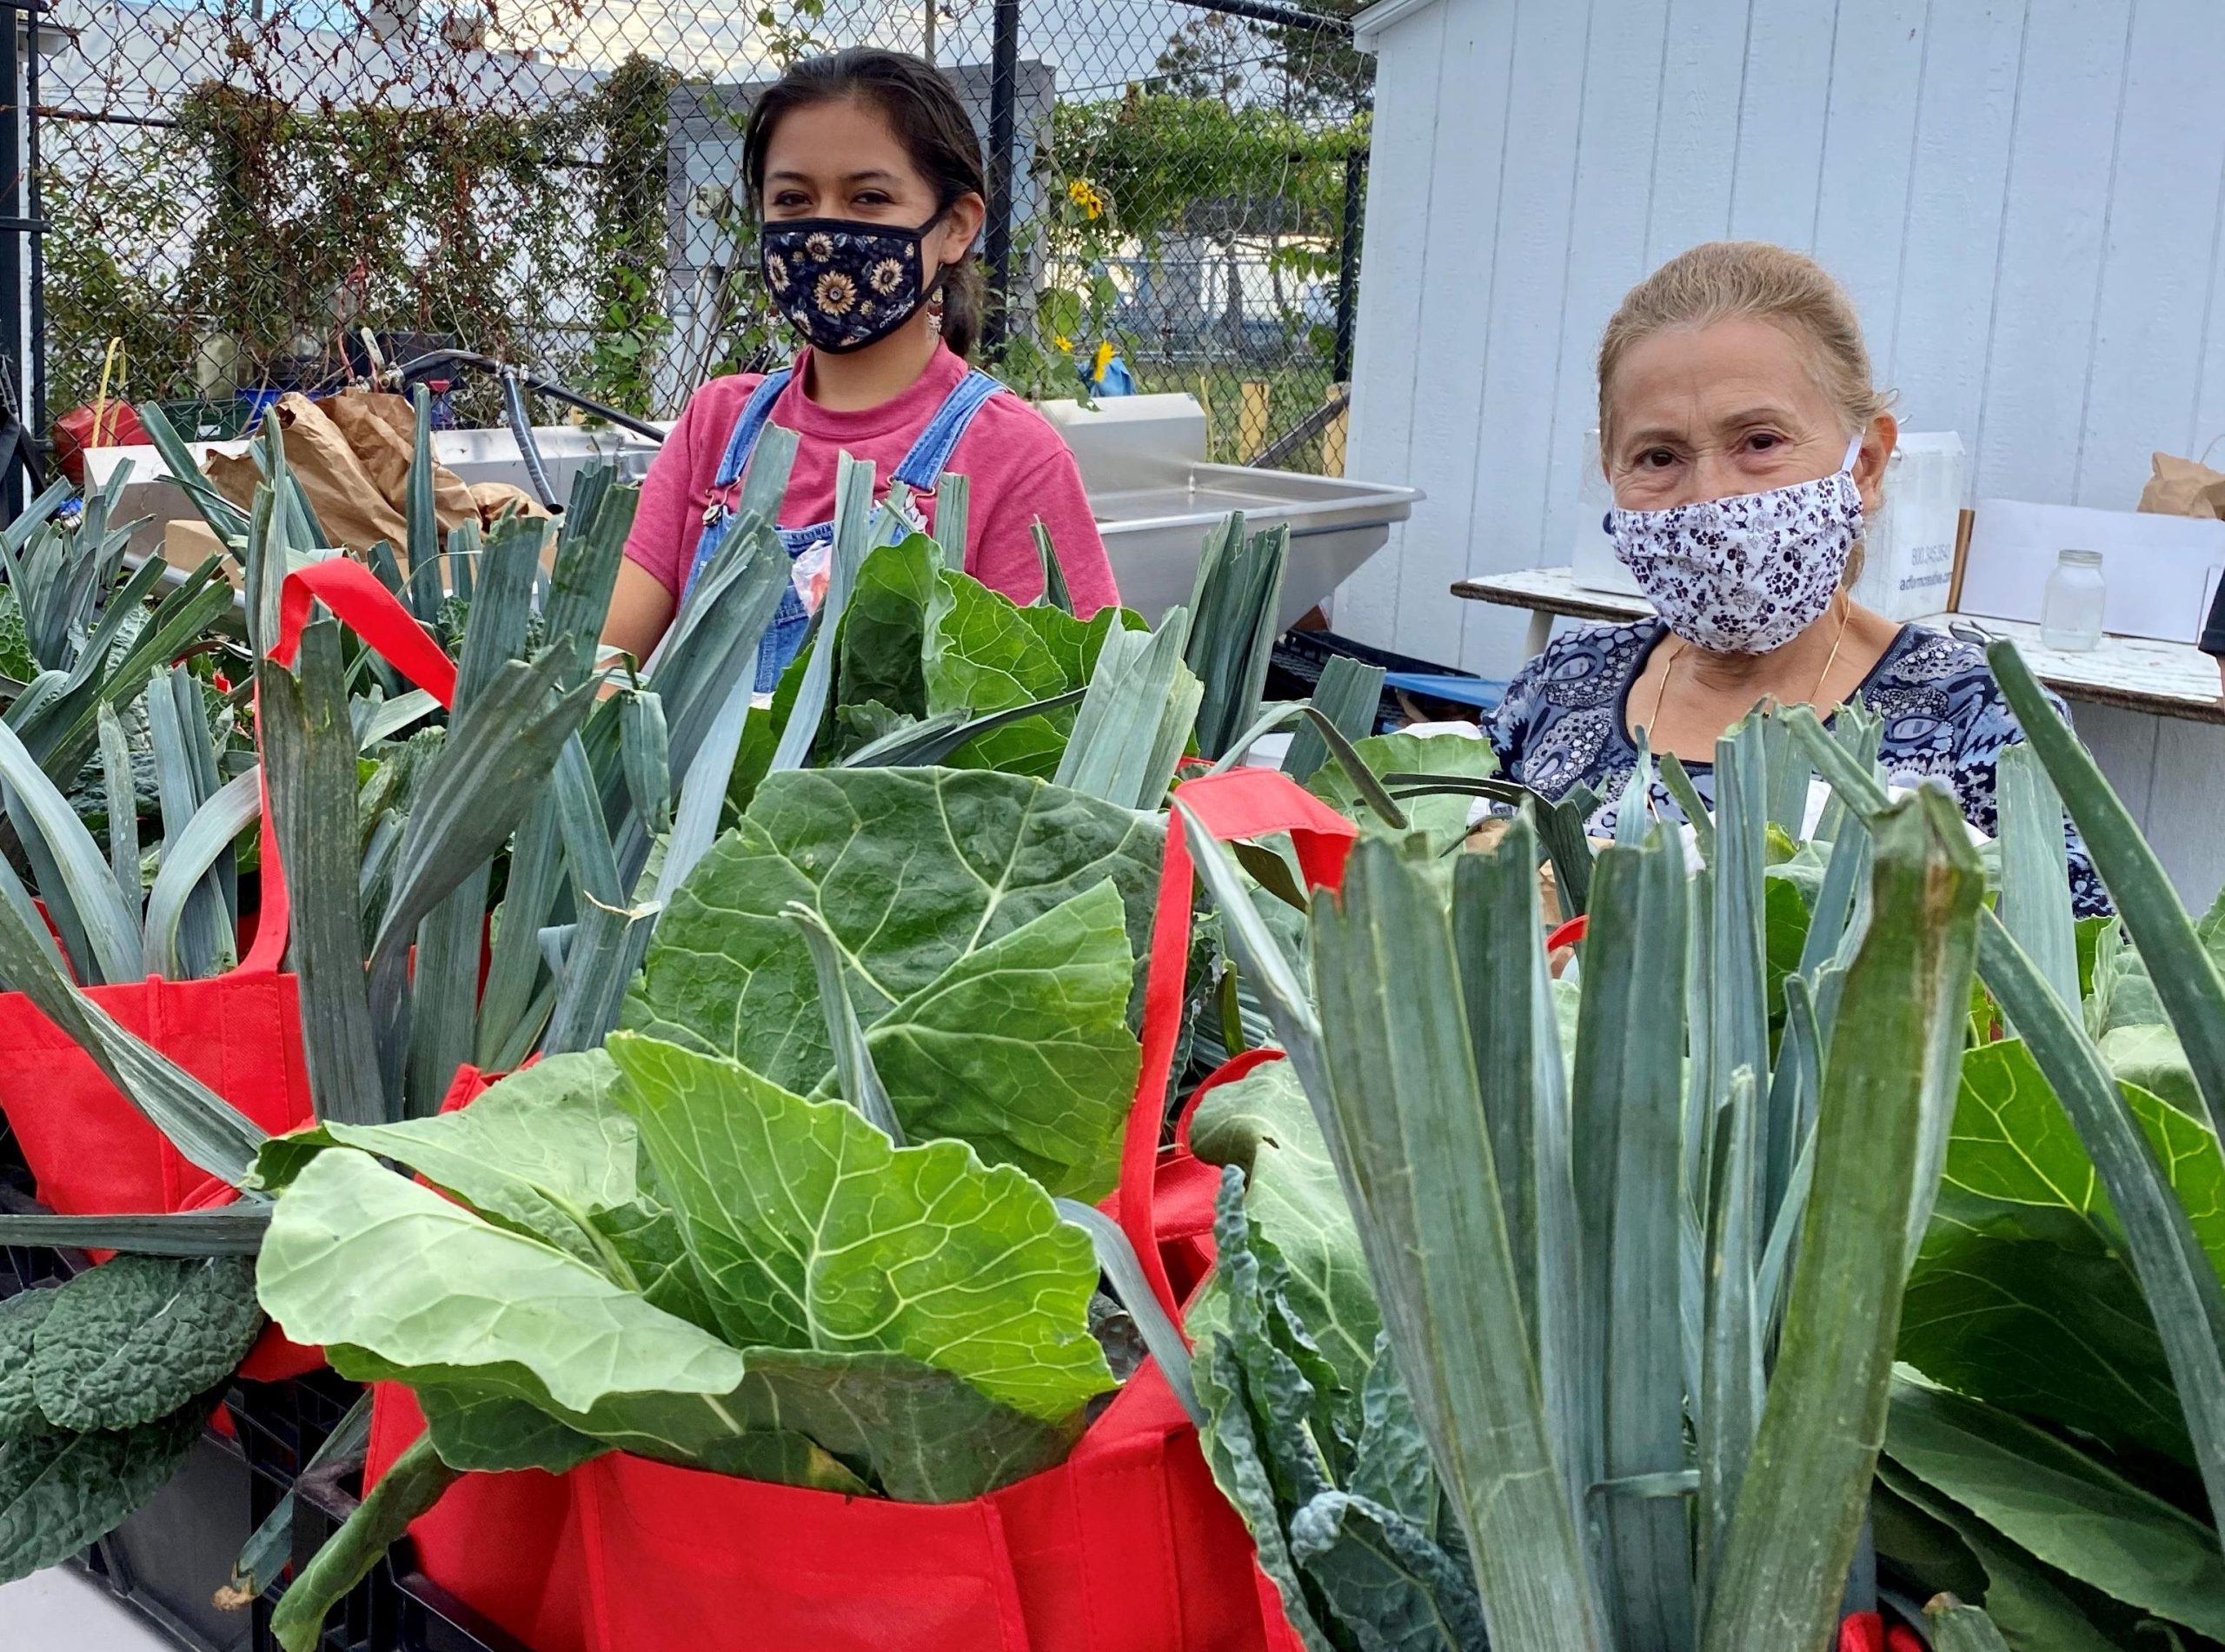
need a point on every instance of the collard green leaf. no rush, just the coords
(1262, 1124)
(916, 873)
(1444, 820)
(1955, 1550)
(2044, 1330)
(2061, 1505)
(2179, 1279)
(396, 1280)
(811, 1230)
(2123, 995)
(884, 629)
(645, 1236)
(1021, 1048)
(59, 1490)
(985, 653)
(543, 1151)
(2021, 1293)
(134, 1340)
(21, 1316)
(1387, 1578)
(477, 1430)
(924, 1434)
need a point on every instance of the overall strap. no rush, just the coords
(930, 456)
(750, 426)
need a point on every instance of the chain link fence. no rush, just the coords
(236, 191)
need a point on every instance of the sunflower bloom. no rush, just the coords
(836, 294)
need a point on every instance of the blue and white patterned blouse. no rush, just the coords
(1565, 721)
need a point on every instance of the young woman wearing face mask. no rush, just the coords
(866, 176)
(1746, 446)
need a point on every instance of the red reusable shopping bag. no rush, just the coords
(240, 1033)
(1125, 1546)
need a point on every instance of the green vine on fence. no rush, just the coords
(1123, 178)
(430, 219)
(630, 111)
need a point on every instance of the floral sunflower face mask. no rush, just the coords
(844, 284)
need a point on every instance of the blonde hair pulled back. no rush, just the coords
(1722, 281)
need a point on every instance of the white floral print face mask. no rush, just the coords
(1748, 574)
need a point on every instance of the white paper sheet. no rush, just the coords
(2156, 571)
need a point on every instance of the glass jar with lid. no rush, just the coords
(2070, 612)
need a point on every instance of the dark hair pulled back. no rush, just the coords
(928, 120)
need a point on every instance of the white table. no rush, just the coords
(2149, 712)
(2131, 673)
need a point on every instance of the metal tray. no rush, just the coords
(1155, 535)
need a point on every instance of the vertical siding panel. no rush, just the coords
(1386, 337)
(1695, 142)
(2156, 282)
(2185, 804)
(1786, 94)
(1511, 453)
(2051, 246)
(1455, 280)
(2209, 392)
(1934, 353)
(1861, 187)
(1606, 242)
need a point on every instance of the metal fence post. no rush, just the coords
(1004, 96)
(1348, 263)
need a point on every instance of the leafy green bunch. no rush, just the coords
(105, 1384)
(803, 1218)
(1652, 1350)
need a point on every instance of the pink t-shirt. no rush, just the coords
(1019, 469)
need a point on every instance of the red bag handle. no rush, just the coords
(1243, 803)
(357, 599)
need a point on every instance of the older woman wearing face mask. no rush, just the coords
(1746, 445)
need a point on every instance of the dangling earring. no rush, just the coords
(934, 315)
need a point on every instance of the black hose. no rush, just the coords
(422, 365)
(528, 450)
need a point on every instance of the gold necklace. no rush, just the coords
(1661, 688)
(1846, 612)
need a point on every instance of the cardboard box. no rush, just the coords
(189, 542)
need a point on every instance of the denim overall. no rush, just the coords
(920, 471)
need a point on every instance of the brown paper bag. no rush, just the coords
(381, 430)
(351, 507)
(2183, 487)
(493, 499)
